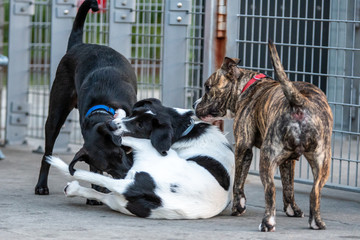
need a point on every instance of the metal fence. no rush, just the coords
(318, 42)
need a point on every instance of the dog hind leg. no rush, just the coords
(114, 201)
(242, 164)
(270, 158)
(320, 164)
(62, 101)
(287, 172)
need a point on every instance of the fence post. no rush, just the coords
(177, 19)
(18, 70)
(62, 17)
(122, 15)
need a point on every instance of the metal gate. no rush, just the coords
(135, 29)
(318, 42)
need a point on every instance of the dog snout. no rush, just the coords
(113, 126)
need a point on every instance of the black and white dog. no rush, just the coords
(97, 80)
(181, 170)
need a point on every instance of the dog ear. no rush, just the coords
(148, 101)
(161, 136)
(228, 63)
(81, 155)
(106, 131)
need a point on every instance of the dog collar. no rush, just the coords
(100, 107)
(257, 77)
(189, 128)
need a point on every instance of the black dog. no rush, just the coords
(97, 80)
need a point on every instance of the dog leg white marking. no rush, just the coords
(94, 178)
(242, 202)
(290, 211)
(313, 225)
(272, 221)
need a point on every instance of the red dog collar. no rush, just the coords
(257, 77)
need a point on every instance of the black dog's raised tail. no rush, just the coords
(291, 93)
(78, 26)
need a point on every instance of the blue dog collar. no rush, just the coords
(186, 132)
(101, 107)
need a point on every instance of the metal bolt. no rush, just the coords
(179, 19)
(66, 12)
(179, 5)
(123, 17)
(123, 3)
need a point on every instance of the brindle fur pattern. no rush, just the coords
(284, 120)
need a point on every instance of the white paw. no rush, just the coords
(313, 225)
(71, 189)
(242, 202)
(290, 211)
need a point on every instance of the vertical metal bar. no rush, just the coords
(18, 75)
(252, 34)
(260, 32)
(321, 42)
(59, 40)
(313, 43)
(267, 33)
(209, 34)
(174, 73)
(119, 33)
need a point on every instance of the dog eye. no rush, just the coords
(207, 88)
(139, 124)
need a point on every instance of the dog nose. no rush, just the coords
(113, 126)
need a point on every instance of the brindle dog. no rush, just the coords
(284, 120)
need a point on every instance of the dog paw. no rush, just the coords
(239, 207)
(292, 210)
(267, 224)
(316, 224)
(71, 189)
(41, 190)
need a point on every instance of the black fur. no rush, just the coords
(163, 129)
(141, 195)
(215, 168)
(89, 75)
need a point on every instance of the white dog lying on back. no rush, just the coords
(192, 179)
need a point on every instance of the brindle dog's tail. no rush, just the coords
(78, 26)
(291, 93)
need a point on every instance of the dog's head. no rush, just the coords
(102, 149)
(151, 120)
(220, 89)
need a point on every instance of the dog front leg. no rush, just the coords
(287, 172)
(243, 159)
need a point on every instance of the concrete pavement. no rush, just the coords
(24, 215)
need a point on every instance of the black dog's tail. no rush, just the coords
(78, 26)
(292, 94)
